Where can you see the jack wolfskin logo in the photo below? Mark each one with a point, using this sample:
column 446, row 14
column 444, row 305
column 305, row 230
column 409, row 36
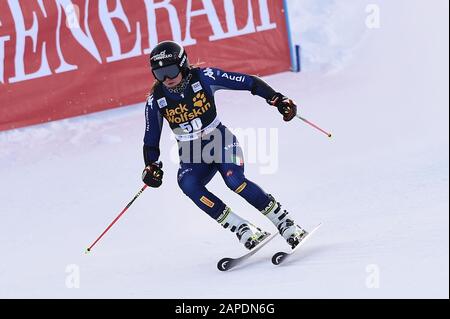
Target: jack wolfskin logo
column 199, row 100
column 182, row 113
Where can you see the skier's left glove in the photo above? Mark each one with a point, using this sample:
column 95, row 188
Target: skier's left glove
column 153, row 174
column 285, row 106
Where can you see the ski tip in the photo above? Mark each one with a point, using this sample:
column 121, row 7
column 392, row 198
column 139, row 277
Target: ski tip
column 278, row 258
column 224, row 264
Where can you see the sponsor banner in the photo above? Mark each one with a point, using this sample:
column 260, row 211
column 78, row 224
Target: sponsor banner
column 63, row 58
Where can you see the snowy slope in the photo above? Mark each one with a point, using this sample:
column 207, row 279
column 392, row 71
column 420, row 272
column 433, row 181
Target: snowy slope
column 380, row 186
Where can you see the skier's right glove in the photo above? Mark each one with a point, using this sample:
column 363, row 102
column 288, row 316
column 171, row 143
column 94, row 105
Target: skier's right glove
column 153, row 174
column 285, row 106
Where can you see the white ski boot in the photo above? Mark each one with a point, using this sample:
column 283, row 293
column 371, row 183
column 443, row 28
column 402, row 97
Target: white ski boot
column 292, row 233
column 248, row 235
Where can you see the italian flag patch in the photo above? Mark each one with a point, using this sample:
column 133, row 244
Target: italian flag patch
column 238, row 160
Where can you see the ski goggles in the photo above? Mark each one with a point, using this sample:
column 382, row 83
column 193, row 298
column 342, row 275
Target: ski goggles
column 170, row 71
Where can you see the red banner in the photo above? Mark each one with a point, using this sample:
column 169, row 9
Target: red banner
column 62, row 58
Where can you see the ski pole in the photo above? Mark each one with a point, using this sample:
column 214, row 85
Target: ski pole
column 274, row 103
column 117, row 218
column 314, row 125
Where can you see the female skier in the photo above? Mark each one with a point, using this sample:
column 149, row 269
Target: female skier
column 184, row 96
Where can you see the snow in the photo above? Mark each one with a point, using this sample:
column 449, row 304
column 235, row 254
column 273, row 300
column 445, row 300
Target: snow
column 327, row 30
column 380, row 186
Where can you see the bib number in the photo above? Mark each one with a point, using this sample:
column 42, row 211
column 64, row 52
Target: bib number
column 194, row 125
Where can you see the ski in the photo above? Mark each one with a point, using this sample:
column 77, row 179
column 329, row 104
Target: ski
column 226, row 264
column 281, row 256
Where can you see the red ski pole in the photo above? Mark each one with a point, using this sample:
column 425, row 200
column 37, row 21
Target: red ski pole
column 314, row 125
column 117, row 218
column 274, row 103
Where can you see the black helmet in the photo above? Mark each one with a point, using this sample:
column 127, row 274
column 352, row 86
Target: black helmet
column 167, row 60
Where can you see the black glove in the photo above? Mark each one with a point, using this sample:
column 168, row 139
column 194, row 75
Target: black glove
column 153, row 174
column 285, row 106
